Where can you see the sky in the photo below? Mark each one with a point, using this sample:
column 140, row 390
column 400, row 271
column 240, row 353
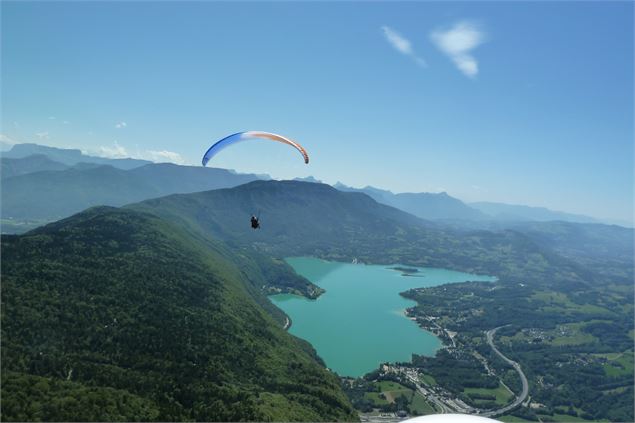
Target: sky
column 517, row 102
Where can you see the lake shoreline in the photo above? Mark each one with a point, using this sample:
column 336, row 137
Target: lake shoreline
column 362, row 320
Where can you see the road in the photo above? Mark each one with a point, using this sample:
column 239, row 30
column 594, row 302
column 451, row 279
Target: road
column 523, row 395
column 427, row 393
column 446, row 404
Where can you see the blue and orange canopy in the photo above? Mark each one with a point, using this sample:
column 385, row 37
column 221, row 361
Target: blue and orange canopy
column 241, row 136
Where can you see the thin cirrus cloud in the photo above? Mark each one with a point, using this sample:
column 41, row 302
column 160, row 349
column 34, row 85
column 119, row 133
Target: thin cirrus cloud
column 402, row 45
column 117, row 151
column 458, row 42
column 165, row 156
column 120, row 125
column 5, row 139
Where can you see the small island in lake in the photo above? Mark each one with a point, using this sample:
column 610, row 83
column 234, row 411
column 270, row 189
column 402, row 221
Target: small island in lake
column 407, row 271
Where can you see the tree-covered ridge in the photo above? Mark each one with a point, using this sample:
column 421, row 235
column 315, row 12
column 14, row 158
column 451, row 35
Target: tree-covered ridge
column 316, row 219
column 134, row 319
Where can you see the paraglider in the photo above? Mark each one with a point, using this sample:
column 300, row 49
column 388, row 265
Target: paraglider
column 241, row 136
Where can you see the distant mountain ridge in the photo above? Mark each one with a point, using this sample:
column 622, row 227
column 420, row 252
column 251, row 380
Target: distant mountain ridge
column 78, row 184
column 511, row 212
column 50, row 195
column 432, row 206
column 69, row 157
column 10, row 167
column 441, row 206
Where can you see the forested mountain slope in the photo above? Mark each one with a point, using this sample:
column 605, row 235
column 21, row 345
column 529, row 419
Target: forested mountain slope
column 117, row 315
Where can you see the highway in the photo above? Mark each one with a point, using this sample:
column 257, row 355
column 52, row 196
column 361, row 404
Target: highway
column 490, row 340
column 444, row 403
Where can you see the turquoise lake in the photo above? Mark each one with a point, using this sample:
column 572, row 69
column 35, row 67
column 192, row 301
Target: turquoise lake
column 359, row 322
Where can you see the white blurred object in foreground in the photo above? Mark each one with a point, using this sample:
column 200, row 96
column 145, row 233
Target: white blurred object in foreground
column 449, row 418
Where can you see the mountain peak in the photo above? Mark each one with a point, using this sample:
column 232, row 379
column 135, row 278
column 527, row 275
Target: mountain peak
column 308, row 179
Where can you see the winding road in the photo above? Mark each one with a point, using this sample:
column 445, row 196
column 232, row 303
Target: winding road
column 490, row 340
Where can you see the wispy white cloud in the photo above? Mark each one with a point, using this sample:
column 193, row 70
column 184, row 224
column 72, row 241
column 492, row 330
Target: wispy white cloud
column 5, row 139
column 458, row 42
column 120, row 125
column 397, row 41
column 52, row 118
column 115, row 151
column 7, row 143
column 65, row 122
column 165, row 156
column 402, row 44
column 42, row 135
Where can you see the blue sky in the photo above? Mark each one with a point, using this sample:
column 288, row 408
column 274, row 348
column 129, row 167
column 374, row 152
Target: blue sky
column 518, row 102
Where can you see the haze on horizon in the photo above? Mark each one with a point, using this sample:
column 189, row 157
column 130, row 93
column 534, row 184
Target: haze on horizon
column 521, row 103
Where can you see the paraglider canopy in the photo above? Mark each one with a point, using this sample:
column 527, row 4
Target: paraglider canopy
column 241, row 136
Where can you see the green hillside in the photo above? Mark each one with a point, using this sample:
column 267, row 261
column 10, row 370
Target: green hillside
column 316, row 219
column 117, row 315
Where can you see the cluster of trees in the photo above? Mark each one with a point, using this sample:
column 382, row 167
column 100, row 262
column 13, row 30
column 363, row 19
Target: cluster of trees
column 357, row 389
column 455, row 371
column 562, row 378
column 35, row 398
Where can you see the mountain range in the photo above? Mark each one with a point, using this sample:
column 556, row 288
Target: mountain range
column 69, row 157
column 55, row 194
column 509, row 212
column 29, row 164
column 441, row 206
column 157, row 310
column 41, row 183
column 425, row 205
